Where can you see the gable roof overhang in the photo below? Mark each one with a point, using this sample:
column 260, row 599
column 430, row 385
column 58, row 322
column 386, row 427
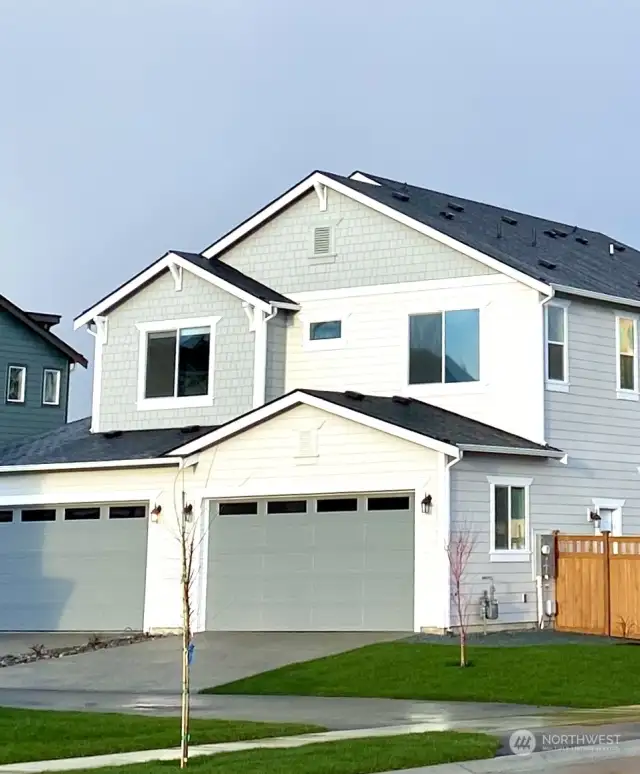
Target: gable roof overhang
column 172, row 261
column 335, row 403
column 44, row 333
column 317, row 178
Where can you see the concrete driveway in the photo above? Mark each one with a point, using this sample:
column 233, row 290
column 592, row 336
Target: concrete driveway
column 154, row 666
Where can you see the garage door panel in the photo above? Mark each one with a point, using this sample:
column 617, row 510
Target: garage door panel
column 349, row 570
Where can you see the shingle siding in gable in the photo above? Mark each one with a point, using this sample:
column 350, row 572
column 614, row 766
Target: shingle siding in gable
column 234, row 346
column 370, row 249
column 21, row 346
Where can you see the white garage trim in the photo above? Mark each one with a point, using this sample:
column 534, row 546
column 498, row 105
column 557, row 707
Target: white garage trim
column 50, row 466
column 74, row 498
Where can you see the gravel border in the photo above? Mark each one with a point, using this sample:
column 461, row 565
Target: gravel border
column 520, row 638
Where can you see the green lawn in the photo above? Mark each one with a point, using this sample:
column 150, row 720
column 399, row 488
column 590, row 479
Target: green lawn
column 32, row 735
column 551, row 675
column 357, row 756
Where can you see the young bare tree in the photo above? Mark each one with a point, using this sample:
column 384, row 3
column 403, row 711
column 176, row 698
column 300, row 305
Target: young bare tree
column 459, row 549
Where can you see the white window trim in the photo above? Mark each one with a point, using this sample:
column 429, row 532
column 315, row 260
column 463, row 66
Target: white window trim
column 616, row 507
column 622, row 394
column 509, row 554
column 23, row 385
column 58, row 375
column 194, row 401
column 445, row 387
column 329, row 314
column 557, row 385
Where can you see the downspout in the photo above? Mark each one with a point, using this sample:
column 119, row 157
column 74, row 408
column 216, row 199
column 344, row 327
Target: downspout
column 446, row 532
column 260, row 321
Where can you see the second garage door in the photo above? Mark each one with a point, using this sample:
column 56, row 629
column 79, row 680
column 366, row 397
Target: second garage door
column 312, row 564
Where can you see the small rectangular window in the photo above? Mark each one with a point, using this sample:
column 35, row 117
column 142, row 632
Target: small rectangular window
column 337, row 504
column 81, row 514
column 388, row 503
column 127, row 512
column 38, row 514
column 322, row 240
column 16, row 384
column 6, row 517
column 287, row 506
column 510, row 518
column 556, row 329
column 321, row 331
column 627, row 354
column 241, row 508
column 51, row 387
column 444, row 347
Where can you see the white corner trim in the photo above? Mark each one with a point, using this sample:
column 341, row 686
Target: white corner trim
column 164, row 263
column 296, row 398
column 317, row 177
column 52, row 466
column 73, row 497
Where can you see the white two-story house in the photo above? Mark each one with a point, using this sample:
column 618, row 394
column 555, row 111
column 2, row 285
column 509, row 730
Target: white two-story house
column 355, row 374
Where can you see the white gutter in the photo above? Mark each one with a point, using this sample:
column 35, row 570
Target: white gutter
column 154, row 462
column 596, row 296
column 551, row 453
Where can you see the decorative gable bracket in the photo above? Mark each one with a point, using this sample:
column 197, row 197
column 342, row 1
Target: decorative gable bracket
column 250, row 311
column 101, row 329
column 176, row 273
column 321, row 192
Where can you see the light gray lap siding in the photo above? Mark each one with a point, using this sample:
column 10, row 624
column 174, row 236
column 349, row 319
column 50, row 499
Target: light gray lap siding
column 234, row 352
column 276, row 355
column 370, row 249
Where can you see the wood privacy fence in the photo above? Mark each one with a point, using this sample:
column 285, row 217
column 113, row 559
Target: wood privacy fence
column 598, row 585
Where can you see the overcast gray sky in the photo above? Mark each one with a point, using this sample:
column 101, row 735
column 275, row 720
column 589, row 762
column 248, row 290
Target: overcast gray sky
column 130, row 127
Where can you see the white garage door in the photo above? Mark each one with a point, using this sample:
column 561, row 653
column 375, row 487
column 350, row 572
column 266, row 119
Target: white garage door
column 311, row 564
column 73, row 568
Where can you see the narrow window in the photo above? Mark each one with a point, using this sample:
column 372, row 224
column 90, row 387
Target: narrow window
column 178, row 363
column 241, row 508
column 6, row 517
column 322, row 240
column 444, row 347
column 626, row 338
column 81, row 514
column 320, row 331
column 556, row 343
column 127, row 512
column 388, row 503
column 510, row 518
column 16, row 383
column 51, row 387
column 337, row 504
column 287, row 506
column 38, row 514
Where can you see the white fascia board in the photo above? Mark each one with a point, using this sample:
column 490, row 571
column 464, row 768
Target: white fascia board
column 53, row 466
column 296, row 398
column 317, row 177
column 74, row 497
column 171, row 259
column 618, row 300
column 551, row 453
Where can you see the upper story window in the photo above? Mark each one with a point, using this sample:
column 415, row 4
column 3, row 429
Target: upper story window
column 627, row 357
column 51, row 387
column 444, row 347
column 556, row 343
column 509, row 528
column 16, row 384
column 176, row 363
column 322, row 331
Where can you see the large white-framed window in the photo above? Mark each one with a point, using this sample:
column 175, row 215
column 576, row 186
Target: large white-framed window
column 557, row 346
column 176, row 363
column 627, row 357
column 51, row 379
column 509, row 531
column 16, row 384
column 444, row 347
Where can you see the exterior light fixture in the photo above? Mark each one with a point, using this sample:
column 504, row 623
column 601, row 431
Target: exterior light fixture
column 427, row 502
column 155, row 514
column 188, row 512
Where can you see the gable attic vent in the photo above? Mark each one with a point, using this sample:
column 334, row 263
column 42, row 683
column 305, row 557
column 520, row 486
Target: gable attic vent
column 322, row 240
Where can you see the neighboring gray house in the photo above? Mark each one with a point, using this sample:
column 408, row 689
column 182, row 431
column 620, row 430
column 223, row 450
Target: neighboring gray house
column 339, row 386
column 34, row 368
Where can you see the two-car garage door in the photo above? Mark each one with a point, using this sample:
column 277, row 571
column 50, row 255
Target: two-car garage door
column 312, row 563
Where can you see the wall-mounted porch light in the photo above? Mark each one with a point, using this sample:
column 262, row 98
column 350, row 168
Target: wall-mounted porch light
column 427, row 502
column 155, row 514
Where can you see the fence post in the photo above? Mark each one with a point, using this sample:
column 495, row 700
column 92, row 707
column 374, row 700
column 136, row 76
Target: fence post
column 607, row 584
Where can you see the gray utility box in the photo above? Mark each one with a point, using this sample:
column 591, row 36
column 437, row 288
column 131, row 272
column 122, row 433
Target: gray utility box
column 546, row 559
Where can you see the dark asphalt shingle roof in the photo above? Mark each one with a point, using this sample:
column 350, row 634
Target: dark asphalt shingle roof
column 481, row 226
column 74, row 442
column 428, row 420
column 241, row 281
